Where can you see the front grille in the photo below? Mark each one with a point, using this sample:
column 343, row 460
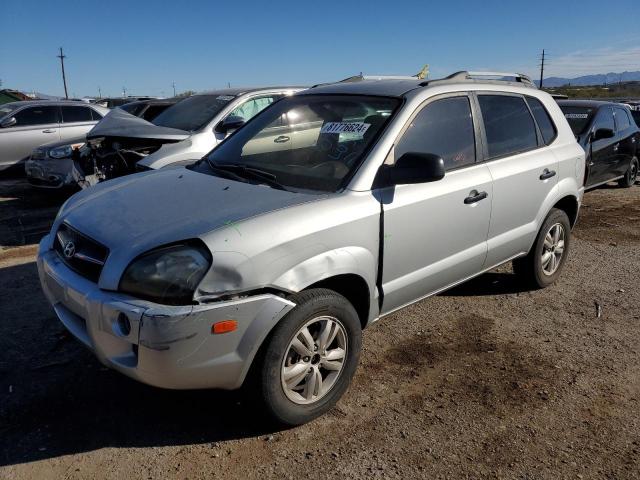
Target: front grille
column 80, row 253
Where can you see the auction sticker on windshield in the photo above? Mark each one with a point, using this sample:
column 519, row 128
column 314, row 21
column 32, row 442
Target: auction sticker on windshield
column 345, row 127
column 576, row 115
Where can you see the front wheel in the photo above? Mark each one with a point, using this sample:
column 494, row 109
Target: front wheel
column 310, row 357
column 631, row 176
column 542, row 266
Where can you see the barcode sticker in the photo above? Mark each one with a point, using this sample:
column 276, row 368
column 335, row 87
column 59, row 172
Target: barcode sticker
column 345, row 127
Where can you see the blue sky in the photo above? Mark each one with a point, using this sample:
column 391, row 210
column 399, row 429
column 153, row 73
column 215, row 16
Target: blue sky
column 145, row 46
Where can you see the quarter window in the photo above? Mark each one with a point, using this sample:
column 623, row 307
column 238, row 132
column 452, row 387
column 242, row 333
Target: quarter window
column 545, row 124
column 76, row 114
column 444, row 128
column 508, row 125
column 37, row 116
column 622, row 119
column 95, row 115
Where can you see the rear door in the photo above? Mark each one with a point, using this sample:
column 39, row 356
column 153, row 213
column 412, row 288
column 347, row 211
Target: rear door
column 34, row 126
column 523, row 168
column 604, row 161
column 76, row 121
column 435, row 233
column 626, row 133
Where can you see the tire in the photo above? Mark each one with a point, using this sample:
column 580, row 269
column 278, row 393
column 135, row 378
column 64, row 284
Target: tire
column 303, row 398
column 531, row 269
column 631, row 176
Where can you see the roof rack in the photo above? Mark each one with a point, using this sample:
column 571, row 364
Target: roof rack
column 361, row 77
column 465, row 76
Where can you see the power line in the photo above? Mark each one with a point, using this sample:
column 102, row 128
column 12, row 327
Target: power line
column 64, row 78
column 541, row 69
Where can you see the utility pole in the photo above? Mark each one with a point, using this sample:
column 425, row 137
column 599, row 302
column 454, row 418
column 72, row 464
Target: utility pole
column 124, row 92
column 541, row 69
column 64, row 78
column 99, row 92
column 174, row 88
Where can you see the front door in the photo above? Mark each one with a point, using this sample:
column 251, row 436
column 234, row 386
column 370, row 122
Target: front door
column 435, row 234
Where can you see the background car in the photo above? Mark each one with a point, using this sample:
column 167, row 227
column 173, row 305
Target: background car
column 118, row 101
column 149, row 109
column 184, row 132
column 29, row 124
column 610, row 137
column 57, row 165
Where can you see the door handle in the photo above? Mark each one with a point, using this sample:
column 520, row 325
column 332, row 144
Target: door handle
column 281, row 139
column 48, row 130
column 546, row 174
column 475, row 196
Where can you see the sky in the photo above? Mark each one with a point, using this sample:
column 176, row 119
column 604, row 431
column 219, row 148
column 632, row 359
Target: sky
column 147, row 46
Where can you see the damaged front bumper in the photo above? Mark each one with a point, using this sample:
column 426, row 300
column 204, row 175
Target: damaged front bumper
column 52, row 173
column 164, row 346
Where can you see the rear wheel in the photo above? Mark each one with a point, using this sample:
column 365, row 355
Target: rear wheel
column 310, row 357
column 542, row 266
column 632, row 174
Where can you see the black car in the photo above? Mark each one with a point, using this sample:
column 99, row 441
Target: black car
column 149, row 109
column 609, row 135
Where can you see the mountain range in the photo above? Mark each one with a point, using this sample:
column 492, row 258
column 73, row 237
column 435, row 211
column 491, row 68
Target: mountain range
column 598, row 79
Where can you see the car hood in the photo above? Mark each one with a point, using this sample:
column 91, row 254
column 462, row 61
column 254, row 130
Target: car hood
column 118, row 123
column 133, row 214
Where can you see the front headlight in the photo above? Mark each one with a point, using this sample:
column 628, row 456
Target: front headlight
column 61, row 152
column 168, row 275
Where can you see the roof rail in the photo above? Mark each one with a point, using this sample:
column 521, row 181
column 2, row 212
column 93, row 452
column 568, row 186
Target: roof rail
column 475, row 76
column 360, row 77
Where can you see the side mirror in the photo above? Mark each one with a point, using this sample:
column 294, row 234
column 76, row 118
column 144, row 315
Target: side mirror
column 8, row 122
column 414, row 168
column 602, row 133
column 229, row 124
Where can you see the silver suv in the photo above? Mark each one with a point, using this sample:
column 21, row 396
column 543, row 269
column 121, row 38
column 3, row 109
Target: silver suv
column 29, row 124
column 264, row 261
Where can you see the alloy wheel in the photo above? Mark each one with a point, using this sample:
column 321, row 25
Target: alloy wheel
column 553, row 249
column 314, row 360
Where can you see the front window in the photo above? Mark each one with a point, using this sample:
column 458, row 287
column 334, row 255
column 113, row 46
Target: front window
column 6, row 109
column 578, row 117
column 308, row 142
column 192, row 113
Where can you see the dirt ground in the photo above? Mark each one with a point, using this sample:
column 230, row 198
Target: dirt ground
column 486, row 380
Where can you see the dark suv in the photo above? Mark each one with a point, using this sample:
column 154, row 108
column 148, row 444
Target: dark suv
column 610, row 137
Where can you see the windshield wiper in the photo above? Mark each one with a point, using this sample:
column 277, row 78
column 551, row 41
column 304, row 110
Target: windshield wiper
column 244, row 172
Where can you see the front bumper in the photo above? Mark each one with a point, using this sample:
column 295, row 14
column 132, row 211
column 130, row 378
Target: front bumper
column 166, row 346
column 51, row 173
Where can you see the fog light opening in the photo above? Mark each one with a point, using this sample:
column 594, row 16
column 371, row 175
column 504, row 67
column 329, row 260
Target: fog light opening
column 124, row 325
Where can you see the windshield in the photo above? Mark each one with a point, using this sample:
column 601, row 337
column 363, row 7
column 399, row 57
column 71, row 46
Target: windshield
column 192, row 113
column 6, row 109
column 308, row 142
column 578, row 117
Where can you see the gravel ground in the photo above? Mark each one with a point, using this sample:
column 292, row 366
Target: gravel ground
column 486, row 380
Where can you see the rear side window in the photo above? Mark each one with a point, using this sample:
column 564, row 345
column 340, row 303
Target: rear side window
column 445, row 128
column 153, row 111
column 508, row 125
column 622, row 119
column 545, row 124
column 95, row 115
column 37, row 116
column 76, row 114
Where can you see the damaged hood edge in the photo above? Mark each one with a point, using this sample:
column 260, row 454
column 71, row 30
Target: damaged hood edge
column 118, row 123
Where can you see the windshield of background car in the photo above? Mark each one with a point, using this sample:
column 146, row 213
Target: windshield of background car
column 308, row 142
column 6, row 109
column 192, row 113
column 578, row 117
column 636, row 116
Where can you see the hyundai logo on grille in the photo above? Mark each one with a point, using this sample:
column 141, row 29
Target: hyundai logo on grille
column 69, row 249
